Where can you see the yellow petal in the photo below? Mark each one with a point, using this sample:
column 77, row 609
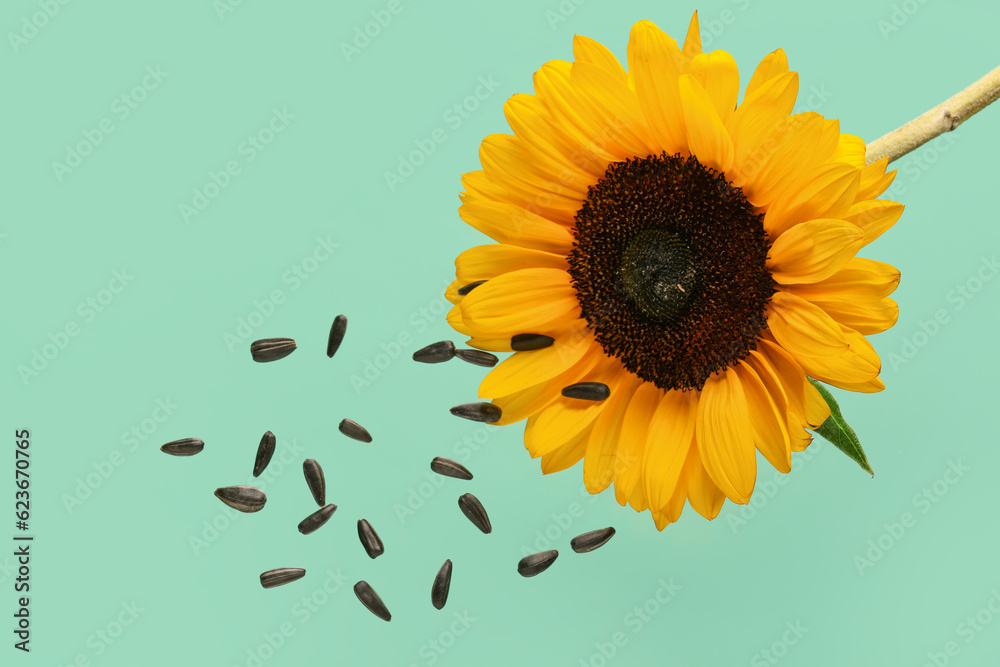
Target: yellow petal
column 817, row 409
column 814, row 250
column 489, row 261
column 829, row 193
column 652, row 57
column 599, row 461
column 705, row 497
column 530, row 177
column 725, row 437
column 523, row 404
column 850, row 150
column 692, row 42
column 567, row 455
column 719, row 76
column 524, row 369
column 614, row 111
column 874, row 217
column 859, row 366
column 671, row 431
column 632, row 441
column 874, row 179
column 564, row 103
column 866, row 317
column 790, row 154
column 804, row 329
column 708, row 138
column 859, row 279
column 509, row 223
column 770, row 426
column 771, row 67
column 754, row 123
column 534, row 124
column 520, row 301
column 588, row 50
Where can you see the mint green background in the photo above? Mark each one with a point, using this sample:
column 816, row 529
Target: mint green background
column 742, row 578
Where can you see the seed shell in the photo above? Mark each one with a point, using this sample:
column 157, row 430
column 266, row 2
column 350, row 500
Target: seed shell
column 442, row 584
column 581, row 544
column 185, row 447
column 478, row 412
column 370, row 539
column 435, row 353
column 242, row 498
column 271, row 349
column 281, row 576
column 337, row 332
column 353, row 429
column 316, row 519
column 475, row 512
column 264, row 452
column 371, row 600
column 478, row 358
column 314, row 478
column 530, row 341
column 537, row 563
column 465, row 289
column 449, row 468
column 587, row 391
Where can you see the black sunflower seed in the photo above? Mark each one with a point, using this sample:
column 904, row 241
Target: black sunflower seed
column 242, row 498
column 370, row 539
column 435, row 353
column 587, row 391
column 581, row 544
column 529, row 341
column 478, row 412
column 264, row 452
column 442, row 583
column 370, row 599
column 449, row 468
column 353, row 429
column 316, row 519
column 475, row 512
column 477, row 357
column 314, row 478
column 337, row 332
column 271, row 349
column 185, row 447
column 281, row 576
column 465, row 289
column 537, row 563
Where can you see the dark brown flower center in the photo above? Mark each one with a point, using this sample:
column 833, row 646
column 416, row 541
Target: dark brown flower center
column 668, row 263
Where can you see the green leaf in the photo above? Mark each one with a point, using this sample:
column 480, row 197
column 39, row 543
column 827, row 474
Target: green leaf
column 836, row 430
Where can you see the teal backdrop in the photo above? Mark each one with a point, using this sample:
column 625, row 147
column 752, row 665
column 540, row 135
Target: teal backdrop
column 183, row 178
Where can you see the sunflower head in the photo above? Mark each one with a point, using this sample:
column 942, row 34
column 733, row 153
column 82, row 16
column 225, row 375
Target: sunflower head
column 692, row 253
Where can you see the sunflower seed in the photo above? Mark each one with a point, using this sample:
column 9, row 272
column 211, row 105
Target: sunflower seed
column 353, row 429
column 185, row 447
column 474, row 511
column 530, row 341
column 271, row 349
column 370, row 599
column 587, row 391
column 242, row 498
column 592, row 540
column 316, row 519
column 449, row 468
column 281, row 576
column 314, row 478
column 264, row 451
column 534, row 564
column 337, row 332
column 462, row 291
column 435, row 353
column 442, row 583
column 478, row 412
column 477, row 357
column 370, row 539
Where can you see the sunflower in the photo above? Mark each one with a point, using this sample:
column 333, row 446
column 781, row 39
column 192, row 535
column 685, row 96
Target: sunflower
column 670, row 269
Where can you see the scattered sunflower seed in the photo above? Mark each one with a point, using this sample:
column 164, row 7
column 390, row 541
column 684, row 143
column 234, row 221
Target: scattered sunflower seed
column 353, row 429
column 478, row 357
column 449, row 468
column 435, row 353
column 314, row 478
column 370, row 539
column 370, row 599
column 185, row 447
column 587, row 391
column 271, row 349
column 264, row 452
column 316, row 519
column 281, row 576
column 529, row 341
column 337, row 332
column 581, row 544
column 242, row 498
column 442, row 583
column 478, row 412
column 537, row 563
column 465, row 289
column 475, row 512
